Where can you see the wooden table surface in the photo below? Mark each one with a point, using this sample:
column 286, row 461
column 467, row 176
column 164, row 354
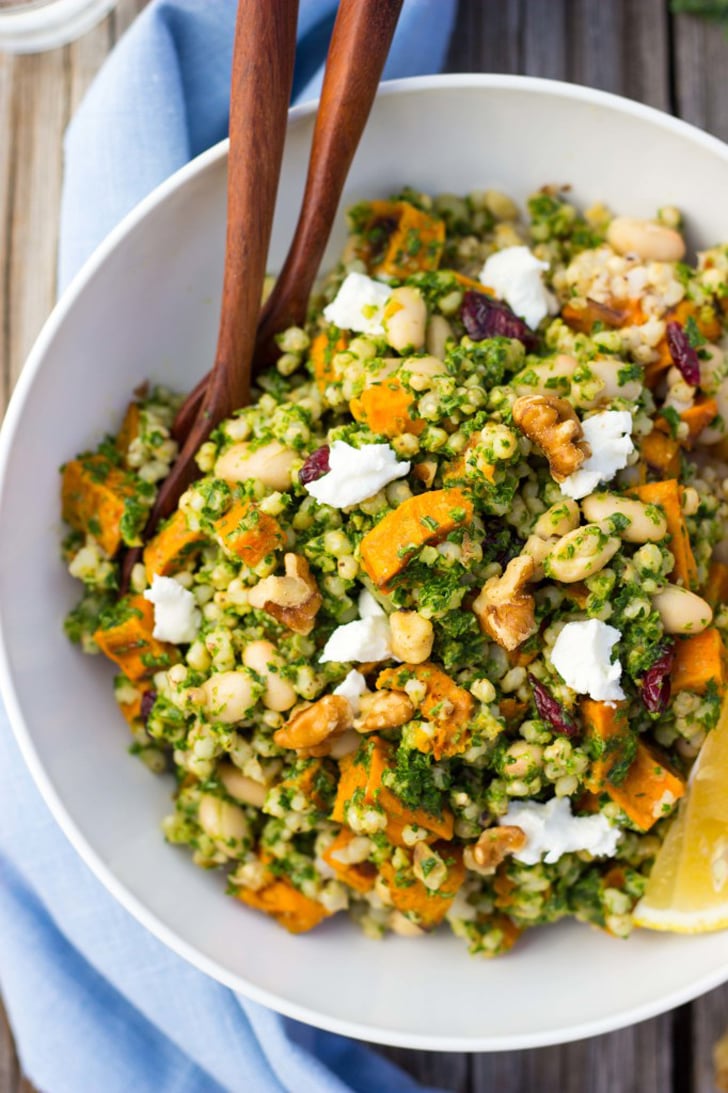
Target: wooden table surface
column 678, row 63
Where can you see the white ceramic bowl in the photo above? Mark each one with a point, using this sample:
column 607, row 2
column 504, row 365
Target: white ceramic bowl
column 146, row 305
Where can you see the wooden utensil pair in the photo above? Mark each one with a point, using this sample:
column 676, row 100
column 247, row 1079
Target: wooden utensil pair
column 262, row 76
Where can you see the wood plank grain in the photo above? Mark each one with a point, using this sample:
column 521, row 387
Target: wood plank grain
column 633, row 1060
column 444, row 1070
column 40, row 111
column 701, row 63
column 710, row 1022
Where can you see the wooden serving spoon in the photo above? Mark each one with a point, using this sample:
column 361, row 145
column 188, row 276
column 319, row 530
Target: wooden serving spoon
column 262, row 76
column 360, row 42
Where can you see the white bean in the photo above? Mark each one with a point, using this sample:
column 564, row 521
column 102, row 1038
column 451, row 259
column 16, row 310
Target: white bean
column 243, row 789
column 581, row 554
column 424, row 366
column 222, row 820
column 405, row 319
column 646, row 523
column 650, row 241
column 271, row 464
column 558, row 520
column 681, row 611
column 229, row 696
column 439, row 332
column 262, row 657
column 607, row 373
column 547, row 377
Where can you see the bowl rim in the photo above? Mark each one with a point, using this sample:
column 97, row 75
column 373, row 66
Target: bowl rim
column 13, row 416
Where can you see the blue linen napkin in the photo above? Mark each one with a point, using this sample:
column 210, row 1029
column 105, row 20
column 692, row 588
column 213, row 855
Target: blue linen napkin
column 95, row 1001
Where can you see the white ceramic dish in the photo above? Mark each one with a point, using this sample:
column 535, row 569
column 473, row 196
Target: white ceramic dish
column 146, row 306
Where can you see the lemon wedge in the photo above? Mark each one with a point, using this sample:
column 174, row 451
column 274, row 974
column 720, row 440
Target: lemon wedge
column 687, row 891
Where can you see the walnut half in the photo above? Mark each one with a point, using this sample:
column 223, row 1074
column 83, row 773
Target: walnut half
column 505, row 611
column 552, row 423
column 293, row 600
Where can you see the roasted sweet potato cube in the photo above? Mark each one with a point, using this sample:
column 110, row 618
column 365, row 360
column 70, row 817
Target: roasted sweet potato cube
column 361, row 780
column 314, row 780
column 94, row 495
column 660, row 453
column 129, row 641
column 399, row 239
column 716, row 587
column 170, row 548
column 323, row 350
column 446, row 708
column 700, row 660
column 289, row 907
column 385, row 407
column 130, row 428
column 425, row 518
column 412, row 898
column 648, row 789
column 249, row 533
column 358, row 875
column 668, row 495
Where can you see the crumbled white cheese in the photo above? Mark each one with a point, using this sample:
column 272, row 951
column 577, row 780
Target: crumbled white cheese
column 356, row 474
column 367, row 638
column 582, row 655
column 516, row 276
column 609, row 436
column 352, row 688
column 359, row 304
column 552, row 830
column 176, row 614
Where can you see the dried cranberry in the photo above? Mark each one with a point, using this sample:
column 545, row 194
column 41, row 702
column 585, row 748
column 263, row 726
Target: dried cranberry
column 485, row 317
column 550, row 710
column 684, row 355
column 148, row 700
column 316, row 466
column 656, row 683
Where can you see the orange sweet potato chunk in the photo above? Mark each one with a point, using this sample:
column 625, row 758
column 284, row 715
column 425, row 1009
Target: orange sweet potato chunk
column 412, row 239
column 358, row 875
column 130, row 643
column 248, row 533
column 385, row 407
column 446, row 708
column 426, row 518
column 129, row 430
column 361, row 776
column 606, row 725
column 323, row 350
column 93, row 497
column 716, row 588
column 660, row 453
column 699, row 661
column 649, row 789
column 289, row 907
column 169, row 549
column 413, row 899
column 668, row 495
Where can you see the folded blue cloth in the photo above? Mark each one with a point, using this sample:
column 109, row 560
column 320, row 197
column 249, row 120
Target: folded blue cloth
column 96, row 1002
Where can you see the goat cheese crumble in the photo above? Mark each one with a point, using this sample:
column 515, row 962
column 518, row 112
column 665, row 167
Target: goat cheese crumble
column 552, row 830
column 176, row 614
column 367, row 638
column 356, row 474
column 609, row 436
column 352, row 688
column 582, row 655
column 359, row 304
column 516, row 276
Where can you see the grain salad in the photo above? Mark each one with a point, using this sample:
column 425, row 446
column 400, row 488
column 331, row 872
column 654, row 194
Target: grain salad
column 438, row 633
